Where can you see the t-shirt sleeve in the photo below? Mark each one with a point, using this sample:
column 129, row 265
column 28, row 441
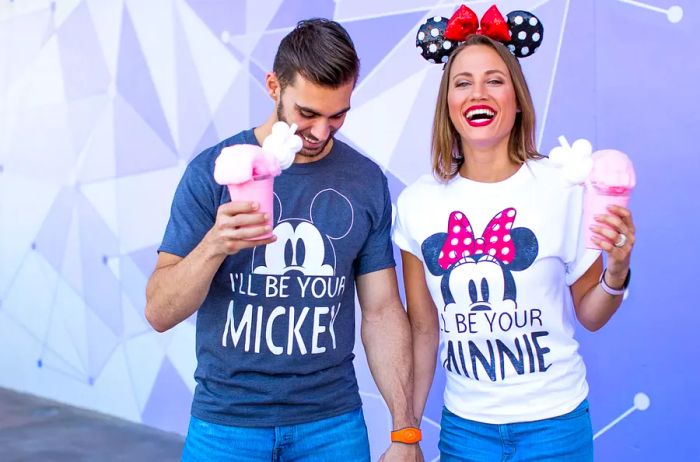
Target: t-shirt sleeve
column 400, row 233
column 377, row 253
column 580, row 257
column 193, row 211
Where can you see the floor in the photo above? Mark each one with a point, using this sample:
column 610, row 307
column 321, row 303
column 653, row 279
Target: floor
column 37, row 429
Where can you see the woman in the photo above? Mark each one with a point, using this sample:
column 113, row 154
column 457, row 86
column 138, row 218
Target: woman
column 496, row 269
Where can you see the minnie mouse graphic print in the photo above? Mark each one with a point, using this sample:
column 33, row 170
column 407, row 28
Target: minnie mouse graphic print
column 461, row 242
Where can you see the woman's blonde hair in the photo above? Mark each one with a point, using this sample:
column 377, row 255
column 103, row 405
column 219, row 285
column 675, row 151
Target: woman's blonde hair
column 447, row 155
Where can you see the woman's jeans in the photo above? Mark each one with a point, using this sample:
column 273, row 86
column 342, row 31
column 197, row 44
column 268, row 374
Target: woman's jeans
column 336, row 439
column 567, row 438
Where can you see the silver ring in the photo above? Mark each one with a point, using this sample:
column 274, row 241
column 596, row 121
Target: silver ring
column 621, row 240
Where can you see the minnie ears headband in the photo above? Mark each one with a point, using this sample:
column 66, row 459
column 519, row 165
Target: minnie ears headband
column 520, row 31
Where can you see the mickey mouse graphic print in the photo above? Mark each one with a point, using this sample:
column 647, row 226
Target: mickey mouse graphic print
column 275, row 334
column 499, row 259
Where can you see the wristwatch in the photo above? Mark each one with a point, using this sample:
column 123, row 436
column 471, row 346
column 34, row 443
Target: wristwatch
column 408, row 435
column 604, row 285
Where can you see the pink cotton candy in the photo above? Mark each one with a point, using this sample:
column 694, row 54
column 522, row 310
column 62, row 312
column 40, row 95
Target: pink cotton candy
column 266, row 164
column 235, row 164
column 612, row 172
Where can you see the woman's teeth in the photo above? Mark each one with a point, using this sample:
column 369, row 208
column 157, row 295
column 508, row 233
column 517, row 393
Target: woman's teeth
column 480, row 114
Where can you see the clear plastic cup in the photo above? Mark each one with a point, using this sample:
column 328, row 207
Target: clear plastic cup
column 259, row 189
column 595, row 202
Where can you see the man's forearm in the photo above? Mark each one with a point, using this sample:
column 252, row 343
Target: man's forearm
column 387, row 340
column 176, row 291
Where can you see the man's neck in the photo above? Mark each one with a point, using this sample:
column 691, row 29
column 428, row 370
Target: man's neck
column 265, row 129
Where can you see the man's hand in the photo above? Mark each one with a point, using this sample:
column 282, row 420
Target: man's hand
column 236, row 223
column 400, row 452
column 178, row 286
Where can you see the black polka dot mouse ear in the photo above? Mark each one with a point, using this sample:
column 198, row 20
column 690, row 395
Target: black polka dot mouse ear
column 525, row 33
column 431, row 41
column 521, row 31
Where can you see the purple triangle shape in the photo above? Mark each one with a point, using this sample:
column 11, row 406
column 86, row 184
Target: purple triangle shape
column 395, row 185
column 220, row 16
column 137, row 148
column 50, row 241
column 34, row 29
column 374, row 38
column 258, row 112
column 168, row 406
column 145, row 259
column 208, row 139
column 101, row 344
column 232, row 115
column 135, row 84
column 415, row 133
column 194, row 117
column 83, row 115
column 85, row 72
column 257, row 72
column 293, row 11
column 134, row 269
column 238, row 54
column 266, row 48
column 101, row 289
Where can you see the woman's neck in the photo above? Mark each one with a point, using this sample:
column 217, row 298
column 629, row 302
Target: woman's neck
column 488, row 164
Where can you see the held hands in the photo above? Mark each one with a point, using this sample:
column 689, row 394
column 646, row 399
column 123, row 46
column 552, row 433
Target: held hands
column 617, row 240
column 236, row 222
column 400, row 452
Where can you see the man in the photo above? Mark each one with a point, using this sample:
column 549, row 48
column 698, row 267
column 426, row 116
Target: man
column 275, row 316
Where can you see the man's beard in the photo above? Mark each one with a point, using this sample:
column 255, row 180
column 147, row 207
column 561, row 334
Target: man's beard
column 303, row 152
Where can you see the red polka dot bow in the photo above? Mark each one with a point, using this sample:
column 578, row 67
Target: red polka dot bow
column 496, row 240
column 465, row 22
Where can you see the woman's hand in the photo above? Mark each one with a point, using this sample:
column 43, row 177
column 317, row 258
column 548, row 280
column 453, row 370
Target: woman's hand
column 617, row 240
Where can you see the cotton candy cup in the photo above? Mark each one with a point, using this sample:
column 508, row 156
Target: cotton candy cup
column 248, row 171
column 610, row 182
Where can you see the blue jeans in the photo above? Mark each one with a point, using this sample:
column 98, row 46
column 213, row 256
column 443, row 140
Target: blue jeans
column 341, row 438
column 567, row 438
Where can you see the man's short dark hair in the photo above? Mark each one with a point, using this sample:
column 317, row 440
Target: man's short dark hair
column 321, row 51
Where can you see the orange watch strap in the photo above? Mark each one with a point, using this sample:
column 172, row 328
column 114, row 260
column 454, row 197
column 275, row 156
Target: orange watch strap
column 408, row 435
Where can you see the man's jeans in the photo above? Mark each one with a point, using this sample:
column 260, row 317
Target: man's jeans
column 337, row 439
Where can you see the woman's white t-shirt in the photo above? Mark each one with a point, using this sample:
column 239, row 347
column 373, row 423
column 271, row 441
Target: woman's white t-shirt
column 499, row 259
